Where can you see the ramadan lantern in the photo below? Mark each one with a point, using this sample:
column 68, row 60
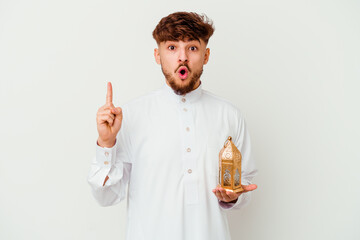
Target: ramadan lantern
column 230, row 167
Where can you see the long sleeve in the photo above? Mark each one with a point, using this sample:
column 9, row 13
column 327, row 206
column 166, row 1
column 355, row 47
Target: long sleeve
column 248, row 168
column 115, row 163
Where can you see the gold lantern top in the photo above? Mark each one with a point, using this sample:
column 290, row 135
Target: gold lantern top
column 230, row 167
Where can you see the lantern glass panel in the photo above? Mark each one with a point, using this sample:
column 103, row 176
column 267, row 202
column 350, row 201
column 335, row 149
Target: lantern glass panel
column 227, row 178
column 237, row 178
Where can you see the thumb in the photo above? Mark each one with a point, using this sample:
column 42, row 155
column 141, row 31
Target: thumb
column 118, row 112
column 118, row 117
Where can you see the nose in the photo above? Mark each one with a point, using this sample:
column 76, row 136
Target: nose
column 183, row 56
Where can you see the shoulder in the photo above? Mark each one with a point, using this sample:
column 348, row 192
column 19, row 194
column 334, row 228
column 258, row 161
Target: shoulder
column 221, row 103
column 143, row 100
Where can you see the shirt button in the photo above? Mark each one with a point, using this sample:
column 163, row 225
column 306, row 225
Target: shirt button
column 188, row 129
column 185, row 109
column 106, row 162
column 189, row 171
column 183, row 99
column 106, row 154
column 188, row 149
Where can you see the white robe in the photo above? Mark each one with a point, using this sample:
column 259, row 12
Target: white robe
column 167, row 153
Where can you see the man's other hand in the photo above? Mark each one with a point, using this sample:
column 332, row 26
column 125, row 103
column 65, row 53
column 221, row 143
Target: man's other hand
column 228, row 196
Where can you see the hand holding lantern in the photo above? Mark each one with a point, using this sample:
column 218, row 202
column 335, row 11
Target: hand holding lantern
column 230, row 188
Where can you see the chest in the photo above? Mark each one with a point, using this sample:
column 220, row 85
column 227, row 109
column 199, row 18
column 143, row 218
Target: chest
column 166, row 136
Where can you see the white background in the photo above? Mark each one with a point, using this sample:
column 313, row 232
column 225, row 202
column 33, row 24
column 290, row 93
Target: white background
column 292, row 67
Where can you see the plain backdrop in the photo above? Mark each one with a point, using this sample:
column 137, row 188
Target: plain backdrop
column 292, row 67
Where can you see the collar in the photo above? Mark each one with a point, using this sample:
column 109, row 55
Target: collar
column 190, row 97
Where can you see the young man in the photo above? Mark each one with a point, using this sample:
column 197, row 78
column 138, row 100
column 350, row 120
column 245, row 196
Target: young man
column 164, row 146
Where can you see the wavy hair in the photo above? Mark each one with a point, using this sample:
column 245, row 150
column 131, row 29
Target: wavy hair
column 184, row 26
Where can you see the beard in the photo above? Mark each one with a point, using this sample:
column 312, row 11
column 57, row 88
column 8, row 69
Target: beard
column 182, row 89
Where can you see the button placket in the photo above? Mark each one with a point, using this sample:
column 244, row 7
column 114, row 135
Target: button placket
column 187, row 132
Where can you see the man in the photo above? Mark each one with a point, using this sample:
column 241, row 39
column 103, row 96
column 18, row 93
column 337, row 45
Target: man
column 164, row 146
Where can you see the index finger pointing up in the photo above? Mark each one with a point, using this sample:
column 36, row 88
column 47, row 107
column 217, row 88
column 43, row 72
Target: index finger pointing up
column 109, row 93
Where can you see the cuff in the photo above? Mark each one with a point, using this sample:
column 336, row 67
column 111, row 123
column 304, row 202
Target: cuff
column 105, row 157
column 230, row 205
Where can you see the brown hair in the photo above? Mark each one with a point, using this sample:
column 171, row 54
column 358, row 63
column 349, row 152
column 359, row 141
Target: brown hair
column 183, row 26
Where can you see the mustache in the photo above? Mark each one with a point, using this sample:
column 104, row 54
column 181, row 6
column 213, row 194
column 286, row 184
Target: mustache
column 182, row 65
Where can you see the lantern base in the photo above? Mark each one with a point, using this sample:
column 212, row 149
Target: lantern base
column 238, row 190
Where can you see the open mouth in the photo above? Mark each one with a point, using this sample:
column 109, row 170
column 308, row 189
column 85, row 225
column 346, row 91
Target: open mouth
column 183, row 73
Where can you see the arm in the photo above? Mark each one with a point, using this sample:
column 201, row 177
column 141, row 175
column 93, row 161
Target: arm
column 111, row 167
column 229, row 200
column 112, row 164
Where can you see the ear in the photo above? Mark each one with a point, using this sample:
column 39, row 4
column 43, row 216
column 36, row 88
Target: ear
column 207, row 55
column 157, row 56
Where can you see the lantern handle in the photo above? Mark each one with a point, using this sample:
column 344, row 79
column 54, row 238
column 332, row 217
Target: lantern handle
column 227, row 140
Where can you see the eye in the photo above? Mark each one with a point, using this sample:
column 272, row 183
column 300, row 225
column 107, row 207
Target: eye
column 193, row 48
column 171, row 47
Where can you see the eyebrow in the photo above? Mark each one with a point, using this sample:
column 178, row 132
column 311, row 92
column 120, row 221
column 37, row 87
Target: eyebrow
column 172, row 42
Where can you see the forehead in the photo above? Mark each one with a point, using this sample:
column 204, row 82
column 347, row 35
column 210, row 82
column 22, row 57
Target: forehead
column 181, row 42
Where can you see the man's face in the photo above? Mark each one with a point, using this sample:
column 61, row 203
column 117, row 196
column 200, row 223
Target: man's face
column 182, row 63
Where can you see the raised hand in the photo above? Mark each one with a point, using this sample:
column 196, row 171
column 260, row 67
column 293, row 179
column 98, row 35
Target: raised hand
column 228, row 196
column 108, row 120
